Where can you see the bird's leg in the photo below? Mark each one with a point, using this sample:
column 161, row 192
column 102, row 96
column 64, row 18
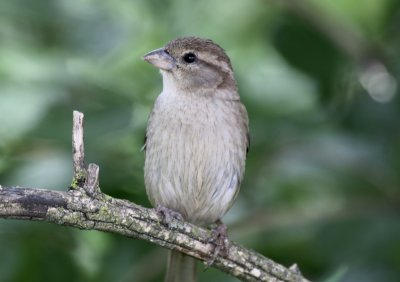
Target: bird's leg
column 168, row 215
column 219, row 239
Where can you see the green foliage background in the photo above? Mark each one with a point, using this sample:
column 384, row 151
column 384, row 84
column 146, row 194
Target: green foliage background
column 320, row 82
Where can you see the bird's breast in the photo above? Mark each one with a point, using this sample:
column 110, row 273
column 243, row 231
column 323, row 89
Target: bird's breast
column 194, row 156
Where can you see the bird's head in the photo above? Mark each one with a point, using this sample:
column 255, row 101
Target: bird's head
column 193, row 64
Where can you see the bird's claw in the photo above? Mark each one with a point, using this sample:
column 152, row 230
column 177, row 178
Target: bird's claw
column 220, row 241
column 168, row 215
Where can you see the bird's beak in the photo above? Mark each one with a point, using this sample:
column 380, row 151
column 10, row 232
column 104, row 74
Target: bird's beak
column 160, row 59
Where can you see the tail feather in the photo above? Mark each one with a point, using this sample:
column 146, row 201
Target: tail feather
column 180, row 268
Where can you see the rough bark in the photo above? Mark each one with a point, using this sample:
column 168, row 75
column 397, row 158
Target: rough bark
column 84, row 206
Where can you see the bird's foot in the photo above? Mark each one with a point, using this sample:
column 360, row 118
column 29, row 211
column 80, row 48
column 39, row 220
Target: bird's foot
column 220, row 241
column 168, row 215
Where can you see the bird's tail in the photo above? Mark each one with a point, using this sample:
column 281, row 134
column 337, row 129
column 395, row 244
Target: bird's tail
column 180, row 268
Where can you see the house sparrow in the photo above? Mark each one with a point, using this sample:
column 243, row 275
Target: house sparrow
column 196, row 139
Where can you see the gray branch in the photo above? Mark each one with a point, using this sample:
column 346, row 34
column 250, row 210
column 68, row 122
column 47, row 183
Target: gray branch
column 84, row 206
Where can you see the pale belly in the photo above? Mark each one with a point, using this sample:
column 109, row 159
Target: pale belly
column 194, row 168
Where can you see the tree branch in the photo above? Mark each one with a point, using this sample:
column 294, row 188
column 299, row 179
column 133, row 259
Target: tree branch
column 84, row 206
column 78, row 150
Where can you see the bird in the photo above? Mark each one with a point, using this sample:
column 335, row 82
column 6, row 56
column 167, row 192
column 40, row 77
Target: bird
column 197, row 138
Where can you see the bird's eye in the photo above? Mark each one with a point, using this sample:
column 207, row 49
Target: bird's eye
column 189, row 58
